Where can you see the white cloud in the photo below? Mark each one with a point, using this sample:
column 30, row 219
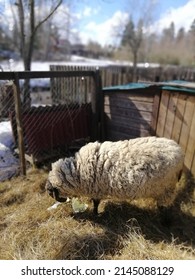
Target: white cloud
column 182, row 17
column 88, row 12
column 104, row 32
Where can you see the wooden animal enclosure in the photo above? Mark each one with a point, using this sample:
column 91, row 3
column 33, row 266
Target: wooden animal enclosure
column 165, row 110
column 176, row 120
column 130, row 111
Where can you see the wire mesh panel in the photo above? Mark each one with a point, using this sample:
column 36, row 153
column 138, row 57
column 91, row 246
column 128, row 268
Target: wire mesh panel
column 49, row 128
column 6, row 99
column 52, row 127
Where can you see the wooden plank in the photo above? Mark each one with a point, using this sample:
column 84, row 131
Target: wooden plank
column 128, row 123
column 181, row 102
column 170, row 115
column 115, row 136
column 131, row 96
column 121, row 112
column 126, row 103
column 187, row 121
column 162, row 113
column 190, row 150
column 125, row 119
column 129, row 131
column 112, row 135
column 95, row 101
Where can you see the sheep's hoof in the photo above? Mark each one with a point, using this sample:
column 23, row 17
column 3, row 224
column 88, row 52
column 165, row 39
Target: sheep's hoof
column 96, row 203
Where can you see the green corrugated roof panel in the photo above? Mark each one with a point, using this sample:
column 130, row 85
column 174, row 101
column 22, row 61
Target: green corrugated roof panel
column 169, row 85
column 179, row 86
column 128, row 86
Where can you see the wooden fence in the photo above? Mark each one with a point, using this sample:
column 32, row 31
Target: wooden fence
column 165, row 111
column 112, row 75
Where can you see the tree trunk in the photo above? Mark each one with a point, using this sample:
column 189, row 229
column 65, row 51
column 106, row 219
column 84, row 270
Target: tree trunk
column 135, row 66
column 27, row 40
column 29, row 52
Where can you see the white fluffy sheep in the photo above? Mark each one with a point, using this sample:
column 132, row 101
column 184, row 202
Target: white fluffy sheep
column 124, row 170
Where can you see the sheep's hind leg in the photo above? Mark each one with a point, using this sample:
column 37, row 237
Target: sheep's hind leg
column 96, row 203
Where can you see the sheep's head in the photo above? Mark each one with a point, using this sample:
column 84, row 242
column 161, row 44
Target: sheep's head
column 62, row 180
column 54, row 192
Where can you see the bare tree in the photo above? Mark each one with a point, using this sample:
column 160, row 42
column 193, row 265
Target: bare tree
column 192, row 37
column 28, row 27
column 139, row 21
column 133, row 37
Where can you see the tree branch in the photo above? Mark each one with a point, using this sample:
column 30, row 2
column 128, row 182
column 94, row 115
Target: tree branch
column 48, row 16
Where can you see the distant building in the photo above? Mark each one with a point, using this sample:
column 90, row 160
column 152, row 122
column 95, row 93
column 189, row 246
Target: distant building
column 78, row 49
column 83, row 50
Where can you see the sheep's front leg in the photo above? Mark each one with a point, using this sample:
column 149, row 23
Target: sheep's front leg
column 96, row 203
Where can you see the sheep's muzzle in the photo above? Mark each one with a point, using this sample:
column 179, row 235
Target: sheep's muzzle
column 54, row 192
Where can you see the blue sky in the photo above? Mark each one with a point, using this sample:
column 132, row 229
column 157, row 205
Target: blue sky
column 97, row 19
column 101, row 20
column 106, row 8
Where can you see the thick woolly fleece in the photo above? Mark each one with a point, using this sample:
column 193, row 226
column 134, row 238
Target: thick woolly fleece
column 124, row 170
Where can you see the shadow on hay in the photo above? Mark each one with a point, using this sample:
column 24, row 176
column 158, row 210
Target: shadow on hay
column 118, row 220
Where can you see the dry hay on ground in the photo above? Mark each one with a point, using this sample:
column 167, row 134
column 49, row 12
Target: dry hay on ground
column 121, row 231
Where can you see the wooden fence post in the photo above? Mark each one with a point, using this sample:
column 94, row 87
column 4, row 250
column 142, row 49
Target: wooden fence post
column 96, row 107
column 101, row 110
column 18, row 114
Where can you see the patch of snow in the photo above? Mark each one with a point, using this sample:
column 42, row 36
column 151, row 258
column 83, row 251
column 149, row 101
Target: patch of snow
column 6, row 157
column 9, row 164
column 44, row 84
column 6, row 137
column 75, row 60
